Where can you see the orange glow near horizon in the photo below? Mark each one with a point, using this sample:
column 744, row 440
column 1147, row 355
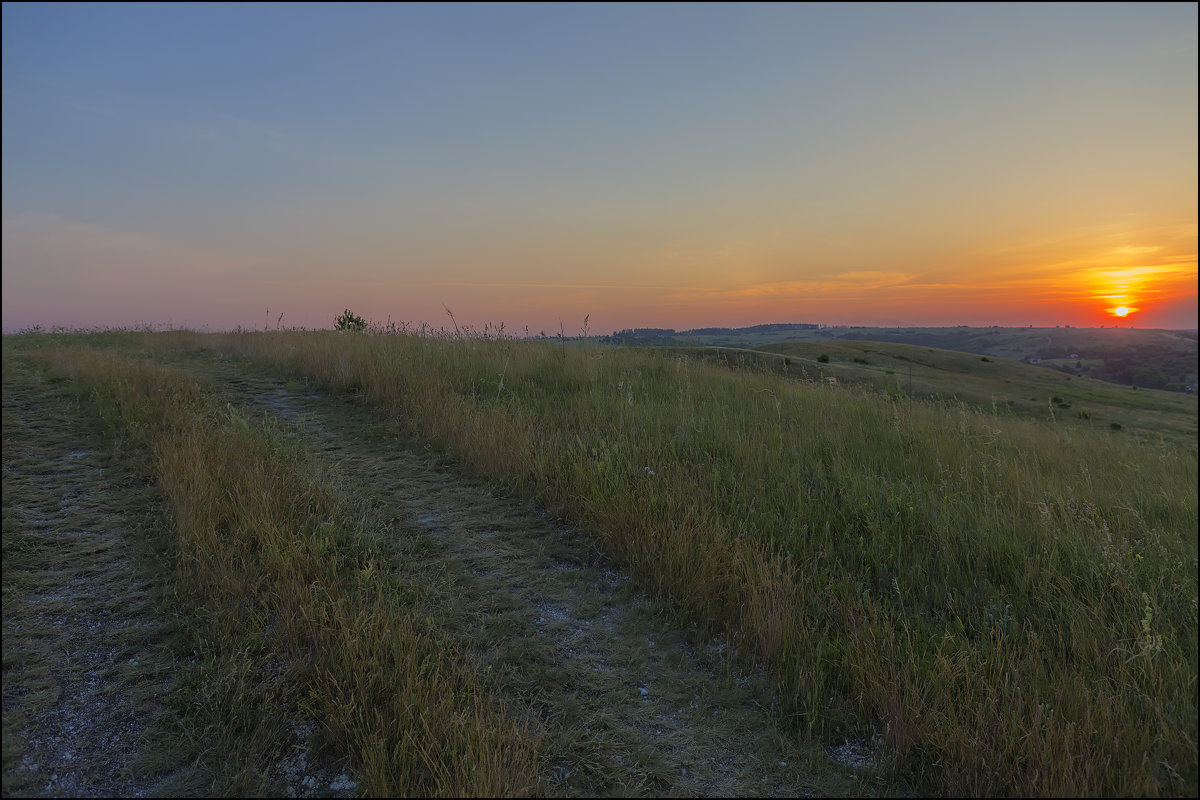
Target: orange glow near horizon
column 1125, row 289
column 1080, row 278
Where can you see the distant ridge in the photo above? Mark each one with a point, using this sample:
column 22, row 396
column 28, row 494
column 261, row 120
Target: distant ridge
column 640, row 334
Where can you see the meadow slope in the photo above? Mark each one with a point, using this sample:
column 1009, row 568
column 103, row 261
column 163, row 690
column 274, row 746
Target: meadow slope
column 1006, row 602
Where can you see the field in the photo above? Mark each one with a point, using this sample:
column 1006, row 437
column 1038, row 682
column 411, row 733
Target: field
column 469, row 565
column 999, row 386
column 1147, row 358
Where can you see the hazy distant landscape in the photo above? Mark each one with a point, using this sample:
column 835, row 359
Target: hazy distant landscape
column 1154, row 359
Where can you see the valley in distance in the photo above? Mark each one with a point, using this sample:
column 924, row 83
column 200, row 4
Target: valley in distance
column 1146, row 358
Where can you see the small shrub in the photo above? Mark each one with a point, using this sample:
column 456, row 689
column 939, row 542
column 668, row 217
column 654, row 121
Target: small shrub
column 858, row 360
column 1116, row 426
column 985, row 358
column 824, row 359
column 349, row 321
column 1085, row 415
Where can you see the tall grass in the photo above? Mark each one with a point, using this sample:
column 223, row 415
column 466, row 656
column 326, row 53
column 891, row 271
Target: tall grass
column 296, row 613
column 1010, row 604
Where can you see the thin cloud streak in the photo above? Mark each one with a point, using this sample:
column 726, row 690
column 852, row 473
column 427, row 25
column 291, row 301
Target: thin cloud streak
column 848, row 283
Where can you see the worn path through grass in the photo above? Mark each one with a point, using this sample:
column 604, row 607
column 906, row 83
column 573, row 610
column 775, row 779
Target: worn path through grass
column 89, row 655
column 630, row 703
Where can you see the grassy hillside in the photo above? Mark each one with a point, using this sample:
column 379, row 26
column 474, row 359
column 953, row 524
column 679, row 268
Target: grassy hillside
column 1150, row 358
column 1005, row 600
column 1001, row 386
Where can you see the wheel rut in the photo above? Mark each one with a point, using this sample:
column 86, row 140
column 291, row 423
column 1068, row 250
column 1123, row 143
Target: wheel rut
column 88, row 657
column 631, row 704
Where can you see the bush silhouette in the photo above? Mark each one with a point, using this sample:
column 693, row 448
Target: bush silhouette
column 349, row 321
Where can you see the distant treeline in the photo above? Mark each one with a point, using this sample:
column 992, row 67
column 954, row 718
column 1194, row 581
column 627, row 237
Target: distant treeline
column 671, row 336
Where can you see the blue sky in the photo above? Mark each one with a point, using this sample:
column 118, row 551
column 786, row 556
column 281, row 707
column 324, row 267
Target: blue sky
column 676, row 165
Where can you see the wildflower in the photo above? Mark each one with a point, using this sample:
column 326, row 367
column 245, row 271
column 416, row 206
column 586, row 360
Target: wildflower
column 648, row 470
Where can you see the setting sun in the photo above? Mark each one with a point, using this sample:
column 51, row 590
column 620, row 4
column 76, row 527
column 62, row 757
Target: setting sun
column 1123, row 311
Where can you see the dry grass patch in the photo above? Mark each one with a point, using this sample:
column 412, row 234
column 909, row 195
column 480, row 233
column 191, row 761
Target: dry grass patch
column 293, row 611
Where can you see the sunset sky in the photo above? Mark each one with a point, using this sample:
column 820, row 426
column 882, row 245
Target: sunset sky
column 210, row 166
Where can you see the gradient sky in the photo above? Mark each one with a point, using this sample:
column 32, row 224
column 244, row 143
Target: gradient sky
column 671, row 165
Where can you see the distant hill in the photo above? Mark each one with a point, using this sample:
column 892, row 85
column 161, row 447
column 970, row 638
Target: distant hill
column 999, row 386
column 1149, row 358
column 709, row 336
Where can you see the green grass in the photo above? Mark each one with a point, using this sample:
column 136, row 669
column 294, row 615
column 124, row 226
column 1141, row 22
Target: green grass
column 999, row 386
column 1008, row 599
column 973, row 586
